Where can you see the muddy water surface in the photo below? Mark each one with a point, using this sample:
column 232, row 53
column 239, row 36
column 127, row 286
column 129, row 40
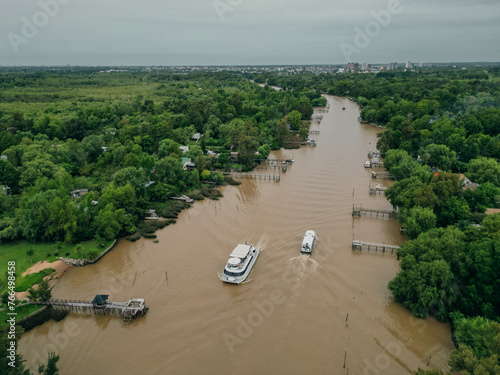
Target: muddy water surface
column 289, row 317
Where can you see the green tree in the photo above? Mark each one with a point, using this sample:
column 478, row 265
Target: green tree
column 110, row 222
column 484, row 170
column 264, row 151
column 417, row 220
column 463, row 361
column 439, row 156
column 33, row 295
column 294, row 119
column 425, row 288
column 44, row 291
column 51, row 367
column 400, row 164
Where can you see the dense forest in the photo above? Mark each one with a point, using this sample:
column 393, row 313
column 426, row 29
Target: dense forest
column 117, row 135
column 442, row 146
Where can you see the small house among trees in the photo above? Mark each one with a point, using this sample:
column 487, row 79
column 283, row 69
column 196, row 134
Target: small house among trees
column 78, row 193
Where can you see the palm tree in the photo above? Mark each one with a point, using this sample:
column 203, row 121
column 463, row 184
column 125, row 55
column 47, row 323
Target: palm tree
column 33, row 295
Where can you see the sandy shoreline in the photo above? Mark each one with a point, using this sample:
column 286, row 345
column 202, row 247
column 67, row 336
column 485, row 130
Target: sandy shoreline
column 60, row 270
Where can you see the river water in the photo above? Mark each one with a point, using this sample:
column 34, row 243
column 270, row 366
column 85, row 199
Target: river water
column 289, row 317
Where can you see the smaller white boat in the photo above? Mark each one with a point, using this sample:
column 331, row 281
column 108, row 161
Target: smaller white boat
column 368, row 164
column 240, row 263
column 308, row 242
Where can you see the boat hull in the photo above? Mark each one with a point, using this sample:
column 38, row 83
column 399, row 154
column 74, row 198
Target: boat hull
column 309, row 241
column 244, row 276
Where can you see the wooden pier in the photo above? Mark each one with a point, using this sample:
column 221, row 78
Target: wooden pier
column 253, row 176
column 281, row 161
column 382, row 175
column 376, row 163
column 377, row 189
column 359, row 210
column 317, row 119
column 358, row 245
column 374, row 154
column 128, row 310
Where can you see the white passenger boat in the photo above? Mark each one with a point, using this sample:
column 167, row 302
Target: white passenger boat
column 368, row 164
column 240, row 263
column 308, row 242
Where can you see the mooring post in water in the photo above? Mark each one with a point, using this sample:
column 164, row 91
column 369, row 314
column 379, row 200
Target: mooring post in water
column 346, row 318
column 345, row 357
column 429, row 361
column 166, row 276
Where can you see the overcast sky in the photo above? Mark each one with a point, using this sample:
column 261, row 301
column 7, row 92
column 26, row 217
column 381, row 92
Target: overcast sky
column 241, row 32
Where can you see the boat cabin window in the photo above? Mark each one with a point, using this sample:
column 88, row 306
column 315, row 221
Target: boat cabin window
column 236, row 274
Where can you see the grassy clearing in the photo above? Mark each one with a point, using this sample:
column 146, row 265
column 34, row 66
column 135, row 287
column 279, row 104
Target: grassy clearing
column 26, row 282
column 16, row 251
column 21, row 310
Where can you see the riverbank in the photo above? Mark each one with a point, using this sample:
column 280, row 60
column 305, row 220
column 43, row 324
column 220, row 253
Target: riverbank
column 31, row 259
column 192, row 313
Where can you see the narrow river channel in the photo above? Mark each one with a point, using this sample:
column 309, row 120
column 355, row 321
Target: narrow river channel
column 289, row 317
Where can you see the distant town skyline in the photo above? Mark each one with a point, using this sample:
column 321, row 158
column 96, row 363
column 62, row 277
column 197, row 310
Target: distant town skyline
column 240, row 32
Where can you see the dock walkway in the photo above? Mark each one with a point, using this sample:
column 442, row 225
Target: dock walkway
column 128, row 310
column 358, row 245
column 359, row 210
column 264, row 177
column 382, row 175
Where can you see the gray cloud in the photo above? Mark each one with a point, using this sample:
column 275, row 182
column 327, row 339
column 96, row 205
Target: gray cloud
column 131, row 32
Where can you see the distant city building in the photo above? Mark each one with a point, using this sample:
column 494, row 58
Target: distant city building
column 352, row 67
column 409, row 65
column 391, row 66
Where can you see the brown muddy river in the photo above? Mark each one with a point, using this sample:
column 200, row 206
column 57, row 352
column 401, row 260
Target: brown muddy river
column 289, row 317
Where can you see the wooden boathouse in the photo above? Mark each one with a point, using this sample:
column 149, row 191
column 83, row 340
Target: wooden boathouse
column 130, row 310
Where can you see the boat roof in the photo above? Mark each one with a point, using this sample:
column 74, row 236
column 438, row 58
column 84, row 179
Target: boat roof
column 241, row 251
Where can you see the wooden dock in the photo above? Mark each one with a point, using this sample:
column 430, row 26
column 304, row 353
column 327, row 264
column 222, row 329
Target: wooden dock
column 358, row 245
column 277, row 161
column 128, row 310
column 375, row 163
column 374, row 154
column 377, row 189
column 254, row 176
column 359, row 210
column 382, row 175
column 317, row 119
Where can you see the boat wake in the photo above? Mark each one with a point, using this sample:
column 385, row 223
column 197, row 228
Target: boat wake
column 302, row 267
column 261, row 244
